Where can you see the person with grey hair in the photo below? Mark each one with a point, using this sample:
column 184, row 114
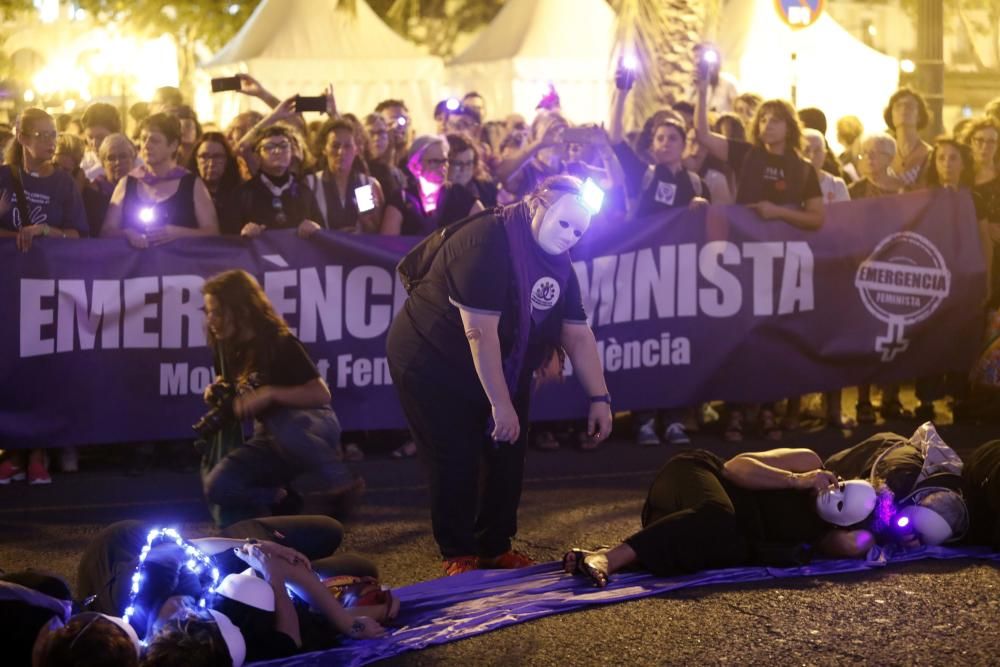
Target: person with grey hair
column 116, row 156
column 877, row 152
column 429, row 201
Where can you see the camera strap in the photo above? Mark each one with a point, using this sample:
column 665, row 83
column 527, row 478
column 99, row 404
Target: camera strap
column 22, row 200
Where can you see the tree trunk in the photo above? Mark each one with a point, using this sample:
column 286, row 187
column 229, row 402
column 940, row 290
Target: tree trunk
column 661, row 34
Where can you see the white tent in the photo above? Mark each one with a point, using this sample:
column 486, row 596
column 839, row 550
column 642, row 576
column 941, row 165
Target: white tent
column 831, row 69
column 299, row 46
column 532, row 43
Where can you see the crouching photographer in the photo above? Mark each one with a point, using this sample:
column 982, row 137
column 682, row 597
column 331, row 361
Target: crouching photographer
column 294, row 455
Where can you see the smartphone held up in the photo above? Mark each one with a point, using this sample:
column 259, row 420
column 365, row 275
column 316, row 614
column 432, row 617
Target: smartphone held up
column 365, row 198
column 224, row 83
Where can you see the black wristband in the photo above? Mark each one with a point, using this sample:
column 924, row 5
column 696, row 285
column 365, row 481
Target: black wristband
column 603, row 398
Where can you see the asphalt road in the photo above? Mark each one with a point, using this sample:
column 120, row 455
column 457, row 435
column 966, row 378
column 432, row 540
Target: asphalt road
column 934, row 613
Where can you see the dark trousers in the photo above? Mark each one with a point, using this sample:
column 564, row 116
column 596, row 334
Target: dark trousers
column 981, row 488
column 289, row 447
column 689, row 522
column 107, row 564
column 475, row 484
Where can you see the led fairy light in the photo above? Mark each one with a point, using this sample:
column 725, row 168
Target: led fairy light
column 198, row 562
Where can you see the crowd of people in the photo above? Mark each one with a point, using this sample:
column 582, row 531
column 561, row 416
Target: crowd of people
column 375, row 173
column 466, row 347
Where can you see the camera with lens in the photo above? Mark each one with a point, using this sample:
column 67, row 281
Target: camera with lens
column 221, row 396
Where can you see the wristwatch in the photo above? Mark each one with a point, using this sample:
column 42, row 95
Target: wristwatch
column 603, row 398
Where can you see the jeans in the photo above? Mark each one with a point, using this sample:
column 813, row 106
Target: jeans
column 289, row 447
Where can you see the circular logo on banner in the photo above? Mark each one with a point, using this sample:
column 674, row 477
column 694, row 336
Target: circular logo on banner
column 799, row 13
column 901, row 283
column 904, row 279
column 545, row 293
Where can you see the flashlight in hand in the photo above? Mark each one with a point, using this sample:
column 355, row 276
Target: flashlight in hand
column 708, row 63
column 626, row 72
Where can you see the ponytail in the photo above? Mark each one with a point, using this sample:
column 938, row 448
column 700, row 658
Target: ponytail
column 14, row 155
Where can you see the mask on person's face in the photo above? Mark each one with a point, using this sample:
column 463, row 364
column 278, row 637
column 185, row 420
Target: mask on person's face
column 847, row 503
column 562, row 225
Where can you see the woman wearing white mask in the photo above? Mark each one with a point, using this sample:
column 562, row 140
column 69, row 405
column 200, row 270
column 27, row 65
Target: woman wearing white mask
column 769, row 508
column 490, row 301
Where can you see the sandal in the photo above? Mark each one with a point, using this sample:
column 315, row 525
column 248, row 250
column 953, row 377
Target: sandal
column 590, row 564
column 866, row 412
column 734, row 429
column 769, row 425
column 406, row 451
column 353, row 453
column 545, row 441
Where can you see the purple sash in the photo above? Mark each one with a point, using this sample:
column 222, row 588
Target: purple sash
column 539, row 281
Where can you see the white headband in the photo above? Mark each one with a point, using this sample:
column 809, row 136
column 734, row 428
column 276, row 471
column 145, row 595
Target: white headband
column 235, row 642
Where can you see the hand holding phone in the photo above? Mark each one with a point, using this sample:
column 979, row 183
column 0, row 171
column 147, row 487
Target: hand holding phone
column 365, row 198
column 581, row 135
column 310, row 103
column 223, row 83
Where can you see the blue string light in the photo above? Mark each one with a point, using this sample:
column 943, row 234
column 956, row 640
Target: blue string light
column 198, row 562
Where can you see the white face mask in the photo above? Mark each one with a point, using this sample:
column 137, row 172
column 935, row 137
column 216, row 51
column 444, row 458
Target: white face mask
column 562, row 225
column 847, row 503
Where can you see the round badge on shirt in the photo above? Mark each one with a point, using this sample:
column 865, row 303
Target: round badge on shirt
column 545, row 293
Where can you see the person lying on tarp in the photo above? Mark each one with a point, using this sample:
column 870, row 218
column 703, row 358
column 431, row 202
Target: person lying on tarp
column 774, row 508
column 981, row 488
column 37, row 628
column 161, row 585
column 923, row 478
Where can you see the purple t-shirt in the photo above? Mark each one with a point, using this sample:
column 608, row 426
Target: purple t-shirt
column 53, row 200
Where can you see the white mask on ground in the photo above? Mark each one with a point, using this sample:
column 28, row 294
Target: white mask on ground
column 563, row 224
column 847, row 503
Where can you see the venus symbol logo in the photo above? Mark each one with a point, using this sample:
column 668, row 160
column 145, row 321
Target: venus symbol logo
column 545, row 293
column 901, row 283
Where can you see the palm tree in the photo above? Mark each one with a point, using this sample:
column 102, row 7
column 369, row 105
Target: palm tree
column 661, row 35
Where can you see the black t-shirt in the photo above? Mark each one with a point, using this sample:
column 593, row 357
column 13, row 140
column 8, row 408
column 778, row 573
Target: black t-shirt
column 667, row 190
column 763, row 176
column 633, row 166
column 287, row 364
column 986, row 196
column 257, row 626
column 256, row 203
column 473, row 269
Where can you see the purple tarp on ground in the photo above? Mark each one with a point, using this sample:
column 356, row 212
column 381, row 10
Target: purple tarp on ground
column 104, row 343
column 448, row 609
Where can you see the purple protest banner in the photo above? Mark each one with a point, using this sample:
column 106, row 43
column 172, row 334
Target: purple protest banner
column 721, row 305
column 104, row 343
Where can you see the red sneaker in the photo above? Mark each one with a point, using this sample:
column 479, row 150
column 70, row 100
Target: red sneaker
column 10, row 472
column 460, row 565
column 37, row 474
column 510, row 560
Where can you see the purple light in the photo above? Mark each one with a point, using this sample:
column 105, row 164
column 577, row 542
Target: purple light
column 452, row 104
column 147, row 215
column 903, row 521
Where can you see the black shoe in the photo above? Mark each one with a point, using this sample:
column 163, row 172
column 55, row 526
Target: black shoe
column 924, row 412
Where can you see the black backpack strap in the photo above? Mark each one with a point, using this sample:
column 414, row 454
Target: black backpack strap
column 416, row 263
column 22, row 200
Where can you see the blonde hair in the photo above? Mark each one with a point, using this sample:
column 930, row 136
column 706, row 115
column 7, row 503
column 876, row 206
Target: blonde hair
column 26, row 122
